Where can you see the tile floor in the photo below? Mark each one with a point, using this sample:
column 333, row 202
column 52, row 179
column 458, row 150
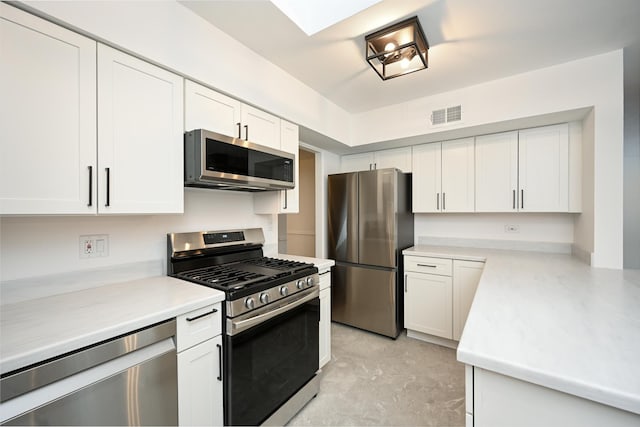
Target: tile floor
column 376, row 381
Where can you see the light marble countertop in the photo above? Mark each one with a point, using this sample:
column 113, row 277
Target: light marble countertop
column 41, row 328
column 322, row 263
column 552, row 320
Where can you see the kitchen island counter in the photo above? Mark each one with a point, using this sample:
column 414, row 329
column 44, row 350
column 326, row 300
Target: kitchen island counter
column 551, row 320
column 41, row 328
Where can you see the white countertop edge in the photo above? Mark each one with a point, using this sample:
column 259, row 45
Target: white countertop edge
column 608, row 396
column 321, row 263
column 446, row 254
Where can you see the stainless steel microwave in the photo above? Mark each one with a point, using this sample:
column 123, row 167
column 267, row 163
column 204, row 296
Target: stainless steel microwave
column 222, row 162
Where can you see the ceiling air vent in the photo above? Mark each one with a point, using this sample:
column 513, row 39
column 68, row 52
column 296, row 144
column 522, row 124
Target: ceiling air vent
column 446, row 115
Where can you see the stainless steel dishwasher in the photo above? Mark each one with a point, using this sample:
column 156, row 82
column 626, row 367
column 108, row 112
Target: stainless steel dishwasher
column 128, row 380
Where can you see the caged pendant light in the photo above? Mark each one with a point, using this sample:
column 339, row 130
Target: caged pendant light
column 398, row 49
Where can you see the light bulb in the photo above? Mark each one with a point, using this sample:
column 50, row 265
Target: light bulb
column 404, row 64
column 389, row 47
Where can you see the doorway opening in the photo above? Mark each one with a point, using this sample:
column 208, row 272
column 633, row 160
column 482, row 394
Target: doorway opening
column 297, row 232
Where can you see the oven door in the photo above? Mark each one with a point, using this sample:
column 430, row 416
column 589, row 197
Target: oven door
column 268, row 359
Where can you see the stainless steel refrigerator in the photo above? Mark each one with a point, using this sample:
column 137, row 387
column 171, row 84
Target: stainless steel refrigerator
column 370, row 223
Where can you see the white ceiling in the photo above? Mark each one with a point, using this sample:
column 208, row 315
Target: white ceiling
column 471, row 41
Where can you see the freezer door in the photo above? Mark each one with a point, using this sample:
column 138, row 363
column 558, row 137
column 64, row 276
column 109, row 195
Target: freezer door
column 377, row 217
column 343, row 217
column 365, row 298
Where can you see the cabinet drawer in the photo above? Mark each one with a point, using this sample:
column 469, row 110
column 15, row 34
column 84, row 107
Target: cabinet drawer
column 420, row 264
column 198, row 326
column 325, row 280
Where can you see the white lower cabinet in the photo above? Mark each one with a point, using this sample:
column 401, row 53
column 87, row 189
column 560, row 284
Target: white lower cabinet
column 428, row 304
column 500, row 400
column 466, row 275
column 438, row 293
column 325, row 318
column 200, row 384
column 200, row 367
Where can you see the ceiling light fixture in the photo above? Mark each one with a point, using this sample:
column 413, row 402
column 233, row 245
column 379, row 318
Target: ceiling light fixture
column 398, row 49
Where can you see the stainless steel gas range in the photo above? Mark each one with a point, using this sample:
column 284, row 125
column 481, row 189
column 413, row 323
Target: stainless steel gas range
column 272, row 314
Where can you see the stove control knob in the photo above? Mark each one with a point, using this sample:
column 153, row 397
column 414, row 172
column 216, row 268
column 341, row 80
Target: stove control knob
column 300, row 284
column 249, row 303
column 264, row 298
column 284, row 291
column 309, row 281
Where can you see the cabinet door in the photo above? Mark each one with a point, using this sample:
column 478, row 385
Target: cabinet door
column 47, row 117
column 284, row 201
column 399, row 158
column 497, row 172
column 428, row 304
column 356, row 162
column 544, row 169
column 200, row 384
column 325, row 327
column 458, row 190
column 426, row 186
column 260, row 127
column 466, row 275
column 140, row 136
column 207, row 109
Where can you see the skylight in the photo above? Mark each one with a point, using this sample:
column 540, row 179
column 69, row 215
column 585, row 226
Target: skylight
column 313, row 16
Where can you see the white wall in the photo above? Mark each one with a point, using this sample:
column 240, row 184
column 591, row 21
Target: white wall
column 591, row 82
column 553, row 228
column 36, row 246
column 170, row 35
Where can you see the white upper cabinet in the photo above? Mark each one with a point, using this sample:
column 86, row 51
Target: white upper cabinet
column 458, row 191
column 284, row 201
column 140, row 136
column 260, row 127
column 497, row 172
column 443, row 178
column 427, row 177
column 47, row 117
column 207, row 109
column 399, row 158
column 544, row 169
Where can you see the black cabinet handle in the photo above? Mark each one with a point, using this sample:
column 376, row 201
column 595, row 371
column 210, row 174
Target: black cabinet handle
column 437, row 201
column 239, row 130
column 405, row 283
column 427, row 265
column 219, row 378
column 107, row 170
column 521, row 199
column 514, row 199
column 443, row 201
column 208, row 313
column 90, row 186
column 246, row 132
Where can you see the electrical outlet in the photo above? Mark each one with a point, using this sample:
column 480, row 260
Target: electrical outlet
column 511, row 228
column 94, row 246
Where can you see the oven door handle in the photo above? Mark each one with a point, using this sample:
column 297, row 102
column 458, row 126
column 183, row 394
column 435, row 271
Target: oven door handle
column 236, row 326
